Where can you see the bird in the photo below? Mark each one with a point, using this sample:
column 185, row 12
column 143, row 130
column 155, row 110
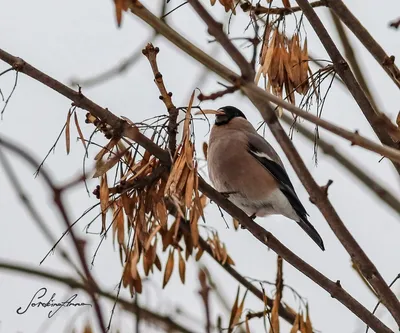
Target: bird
column 244, row 166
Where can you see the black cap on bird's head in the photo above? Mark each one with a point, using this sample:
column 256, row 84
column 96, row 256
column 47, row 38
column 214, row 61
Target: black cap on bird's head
column 226, row 114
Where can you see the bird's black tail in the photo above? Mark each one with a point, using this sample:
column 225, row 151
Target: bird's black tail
column 310, row 230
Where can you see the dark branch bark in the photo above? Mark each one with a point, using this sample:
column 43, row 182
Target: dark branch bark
column 388, row 298
column 261, row 234
column 342, row 68
column 151, row 317
column 347, row 17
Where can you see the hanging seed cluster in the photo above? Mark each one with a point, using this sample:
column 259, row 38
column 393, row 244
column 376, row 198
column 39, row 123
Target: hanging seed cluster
column 284, row 64
column 228, row 5
column 143, row 196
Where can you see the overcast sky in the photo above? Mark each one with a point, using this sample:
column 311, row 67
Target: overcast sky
column 74, row 38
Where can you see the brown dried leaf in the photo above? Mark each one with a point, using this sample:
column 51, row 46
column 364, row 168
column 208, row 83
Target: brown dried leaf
column 168, row 268
column 78, row 128
column 182, row 267
column 270, row 52
column 104, row 201
column 182, row 181
column 194, row 228
column 137, row 284
column 277, row 300
column 294, row 61
column 286, row 3
column 303, row 328
column 107, row 148
column 134, row 260
column 199, row 253
column 103, row 168
column 162, row 213
column 120, row 222
column 234, row 311
column 189, row 188
column 67, row 132
column 296, row 324
column 304, row 68
column 236, row 224
column 308, row 321
column 157, row 263
column 229, row 261
column 152, row 235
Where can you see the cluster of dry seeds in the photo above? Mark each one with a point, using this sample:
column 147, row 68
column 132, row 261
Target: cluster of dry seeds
column 284, row 64
column 228, row 5
column 141, row 199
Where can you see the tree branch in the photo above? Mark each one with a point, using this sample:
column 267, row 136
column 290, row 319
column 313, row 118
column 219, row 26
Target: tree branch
column 215, row 29
column 258, row 9
column 261, row 234
column 347, row 17
column 151, row 54
column 342, row 68
column 129, row 306
column 388, row 298
column 138, row 9
column 78, row 244
column 373, row 185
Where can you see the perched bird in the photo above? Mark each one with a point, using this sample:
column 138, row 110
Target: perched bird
column 247, row 169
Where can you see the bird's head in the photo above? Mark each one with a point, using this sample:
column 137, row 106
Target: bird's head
column 225, row 114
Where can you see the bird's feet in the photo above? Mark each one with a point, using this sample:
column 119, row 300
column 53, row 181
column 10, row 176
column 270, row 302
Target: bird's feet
column 227, row 194
column 252, row 217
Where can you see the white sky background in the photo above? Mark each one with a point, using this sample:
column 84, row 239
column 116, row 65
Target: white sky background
column 79, row 39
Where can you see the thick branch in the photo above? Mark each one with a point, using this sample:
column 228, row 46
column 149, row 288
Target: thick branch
column 129, row 132
column 342, row 68
column 258, row 9
column 151, row 317
column 261, row 234
column 388, row 298
column 387, row 63
column 213, row 65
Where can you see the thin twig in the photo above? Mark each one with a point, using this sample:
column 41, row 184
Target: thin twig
column 79, row 245
column 379, row 190
column 215, row 29
column 347, row 17
column 388, row 298
column 342, row 68
column 262, row 235
column 151, row 54
column 147, row 315
column 258, row 9
column 204, row 293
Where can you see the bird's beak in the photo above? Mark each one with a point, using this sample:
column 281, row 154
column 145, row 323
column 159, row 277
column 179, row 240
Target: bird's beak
column 210, row 111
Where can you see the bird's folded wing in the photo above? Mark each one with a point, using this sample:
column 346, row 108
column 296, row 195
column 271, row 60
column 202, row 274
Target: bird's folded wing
column 265, row 154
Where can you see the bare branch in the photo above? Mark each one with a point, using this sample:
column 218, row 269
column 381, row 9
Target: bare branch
column 347, row 17
column 342, row 68
column 258, row 9
column 78, row 244
column 261, row 234
column 149, row 316
column 373, row 185
column 151, row 54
